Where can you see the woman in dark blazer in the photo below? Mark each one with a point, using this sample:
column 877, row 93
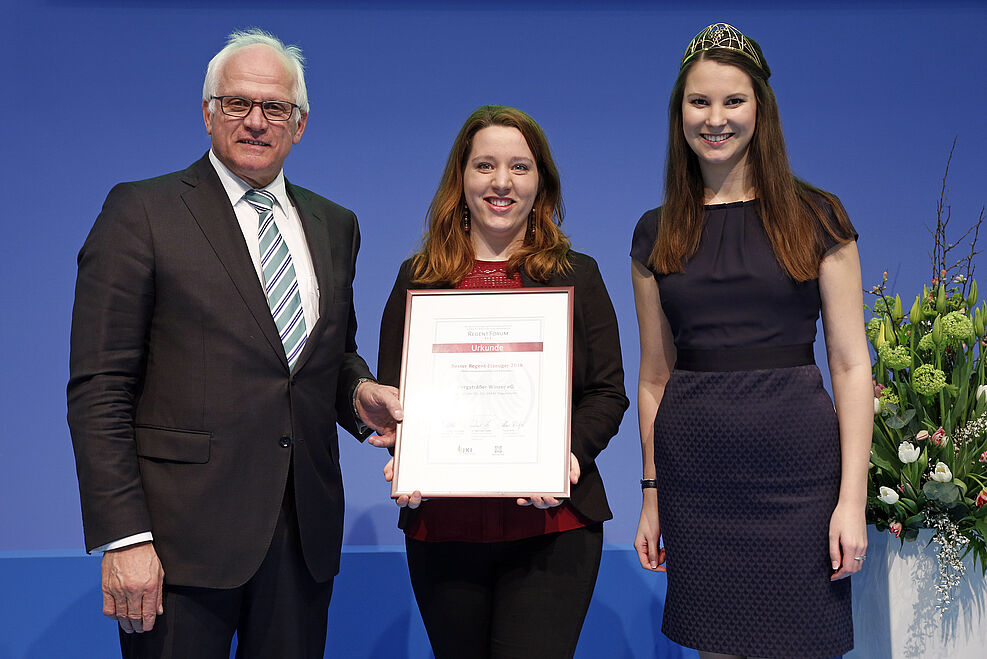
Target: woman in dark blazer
column 506, row 577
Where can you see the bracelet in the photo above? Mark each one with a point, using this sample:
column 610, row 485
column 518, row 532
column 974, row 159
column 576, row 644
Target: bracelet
column 648, row 483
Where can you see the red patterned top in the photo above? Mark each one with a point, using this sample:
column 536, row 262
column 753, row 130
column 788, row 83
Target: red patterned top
column 489, row 520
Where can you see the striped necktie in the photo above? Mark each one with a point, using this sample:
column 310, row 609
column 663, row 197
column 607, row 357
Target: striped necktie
column 280, row 282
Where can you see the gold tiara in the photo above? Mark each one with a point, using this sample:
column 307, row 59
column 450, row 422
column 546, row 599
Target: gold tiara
column 722, row 35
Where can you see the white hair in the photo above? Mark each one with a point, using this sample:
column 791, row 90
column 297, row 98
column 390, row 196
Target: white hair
column 255, row 36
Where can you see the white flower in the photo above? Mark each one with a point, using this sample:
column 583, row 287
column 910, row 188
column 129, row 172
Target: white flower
column 888, row 496
column 942, row 473
column 877, row 405
column 908, row 453
column 982, row 391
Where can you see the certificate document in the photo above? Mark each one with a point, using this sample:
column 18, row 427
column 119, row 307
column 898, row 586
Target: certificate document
column 486, row 389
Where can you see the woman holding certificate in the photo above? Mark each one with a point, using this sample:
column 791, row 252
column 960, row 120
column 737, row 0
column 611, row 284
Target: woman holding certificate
column 755, row 483
column 510, row 577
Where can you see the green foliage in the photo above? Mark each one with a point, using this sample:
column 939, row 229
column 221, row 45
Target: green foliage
column 928, row 370
column 943, row 493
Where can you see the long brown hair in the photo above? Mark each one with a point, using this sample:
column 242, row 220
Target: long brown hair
column 446, row 254
column 791, row 209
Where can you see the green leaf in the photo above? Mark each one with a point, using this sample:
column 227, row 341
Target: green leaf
column 923, row 461
column 896, row 422
column 881, row 436
column 883, row 463
column 915, row 520
column 945, row 493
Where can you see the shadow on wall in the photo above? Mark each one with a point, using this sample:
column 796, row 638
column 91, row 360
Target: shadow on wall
column 375, row 525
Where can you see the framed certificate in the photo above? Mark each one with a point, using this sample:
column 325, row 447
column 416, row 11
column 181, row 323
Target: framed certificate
column 486, row 385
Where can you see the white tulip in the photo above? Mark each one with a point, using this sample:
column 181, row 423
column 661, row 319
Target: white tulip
column 982, row 392
column 877, row 406
column 908, row 453
column 888, row 496
column 942, row 473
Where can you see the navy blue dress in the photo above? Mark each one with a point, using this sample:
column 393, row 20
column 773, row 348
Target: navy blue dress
column 748, row 461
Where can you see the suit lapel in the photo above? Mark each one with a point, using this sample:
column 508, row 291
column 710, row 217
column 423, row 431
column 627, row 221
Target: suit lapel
column 209, row 204
column 317, row 237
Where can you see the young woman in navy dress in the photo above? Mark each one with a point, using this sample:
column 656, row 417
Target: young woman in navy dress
column 755, row 484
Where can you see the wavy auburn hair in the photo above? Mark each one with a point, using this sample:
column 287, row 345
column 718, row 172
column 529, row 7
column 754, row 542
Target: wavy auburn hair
column 446, row 253
column 792, row 210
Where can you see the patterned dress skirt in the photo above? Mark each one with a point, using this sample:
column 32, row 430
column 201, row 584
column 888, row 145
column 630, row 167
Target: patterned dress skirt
column 748, row 468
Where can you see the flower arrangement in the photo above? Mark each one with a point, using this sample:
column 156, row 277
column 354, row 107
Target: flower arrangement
column 929, row 455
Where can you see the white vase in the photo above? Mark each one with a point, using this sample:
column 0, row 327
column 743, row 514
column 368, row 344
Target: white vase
column 894, row 604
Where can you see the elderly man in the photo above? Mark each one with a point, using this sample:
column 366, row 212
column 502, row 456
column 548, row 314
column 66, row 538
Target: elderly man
column 213, row 353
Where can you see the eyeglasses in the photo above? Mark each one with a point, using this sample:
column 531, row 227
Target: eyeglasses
column 237, row 106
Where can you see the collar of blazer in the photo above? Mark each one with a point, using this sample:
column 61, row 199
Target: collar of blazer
column 209, row 205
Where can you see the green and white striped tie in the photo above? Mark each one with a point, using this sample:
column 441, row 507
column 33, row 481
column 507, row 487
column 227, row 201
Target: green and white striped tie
column 280, row 282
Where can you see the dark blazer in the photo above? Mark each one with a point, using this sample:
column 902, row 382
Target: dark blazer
column 598, row 400
column 183, row 413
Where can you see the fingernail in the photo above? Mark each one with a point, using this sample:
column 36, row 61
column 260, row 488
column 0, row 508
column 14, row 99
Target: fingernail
column 654, row 566
column 836, row 565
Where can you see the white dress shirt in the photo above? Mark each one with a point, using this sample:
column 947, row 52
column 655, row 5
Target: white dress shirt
column 290, row 226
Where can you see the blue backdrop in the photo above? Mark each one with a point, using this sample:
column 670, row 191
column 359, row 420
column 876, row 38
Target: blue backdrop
column 871, row 99
column 872, row 95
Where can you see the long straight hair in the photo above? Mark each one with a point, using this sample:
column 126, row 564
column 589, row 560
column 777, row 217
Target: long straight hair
column 792, row 210
column 447, row 255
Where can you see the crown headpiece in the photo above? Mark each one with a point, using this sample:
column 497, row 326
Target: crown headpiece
column 727, row 37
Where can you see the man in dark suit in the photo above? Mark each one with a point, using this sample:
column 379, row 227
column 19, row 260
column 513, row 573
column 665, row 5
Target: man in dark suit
column 213, row 353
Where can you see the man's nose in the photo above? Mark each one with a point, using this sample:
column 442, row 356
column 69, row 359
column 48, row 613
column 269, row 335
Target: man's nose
column 255, row 119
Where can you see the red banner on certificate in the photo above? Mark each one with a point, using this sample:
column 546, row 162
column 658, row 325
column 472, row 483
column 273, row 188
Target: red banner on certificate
column 524, row 346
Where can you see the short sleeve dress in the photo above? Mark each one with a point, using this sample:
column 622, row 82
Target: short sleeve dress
column 747, row 451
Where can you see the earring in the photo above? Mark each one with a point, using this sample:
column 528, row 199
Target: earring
column 466, row 220
column 531, row 225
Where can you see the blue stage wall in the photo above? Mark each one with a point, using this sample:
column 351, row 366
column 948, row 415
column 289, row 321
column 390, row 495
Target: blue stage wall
column 872, row 95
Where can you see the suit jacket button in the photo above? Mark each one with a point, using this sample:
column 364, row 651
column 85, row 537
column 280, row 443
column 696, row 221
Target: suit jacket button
column 285, row 442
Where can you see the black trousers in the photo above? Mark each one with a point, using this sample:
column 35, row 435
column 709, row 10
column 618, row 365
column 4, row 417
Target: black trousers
column 523, row 599
column 280, row 613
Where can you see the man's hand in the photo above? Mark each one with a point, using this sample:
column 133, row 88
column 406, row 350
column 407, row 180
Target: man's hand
column 379, row 407
column 132, row 587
